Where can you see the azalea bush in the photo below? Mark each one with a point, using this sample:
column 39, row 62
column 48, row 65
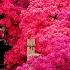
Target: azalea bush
column 58, row 59
column 48, row 22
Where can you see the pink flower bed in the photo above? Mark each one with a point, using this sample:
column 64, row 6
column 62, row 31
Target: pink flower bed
column 47, row 21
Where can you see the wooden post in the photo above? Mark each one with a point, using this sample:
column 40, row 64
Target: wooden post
column 31, row 48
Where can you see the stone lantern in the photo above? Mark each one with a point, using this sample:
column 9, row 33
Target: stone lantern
column 4, row 47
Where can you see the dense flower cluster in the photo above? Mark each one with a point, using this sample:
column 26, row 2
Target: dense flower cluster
column 58, row 59
column 10, row 31
column 46, row 21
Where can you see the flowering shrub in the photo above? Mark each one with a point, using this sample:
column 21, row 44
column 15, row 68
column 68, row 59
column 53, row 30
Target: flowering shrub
column 46, row 21
column 58, row 59
column 51, row 62
column 10, row 31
